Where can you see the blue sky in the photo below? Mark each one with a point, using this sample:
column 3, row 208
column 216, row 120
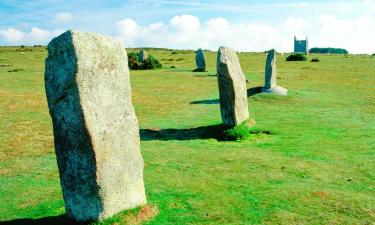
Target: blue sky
column 242, row 25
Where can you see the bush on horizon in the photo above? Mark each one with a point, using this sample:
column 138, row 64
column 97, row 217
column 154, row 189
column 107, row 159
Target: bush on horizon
column 150, row 64
column 296, row 57
column 329, row 50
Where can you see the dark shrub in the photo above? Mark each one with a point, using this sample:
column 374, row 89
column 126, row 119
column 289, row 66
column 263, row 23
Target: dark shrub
column 315, row 60
column 133, row 60
column 296, row 57
column 149, row 64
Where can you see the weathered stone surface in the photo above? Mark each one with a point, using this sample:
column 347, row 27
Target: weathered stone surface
column 200, row 60
column 276, row 91
column 143, row 56
column 270, row 77
column 232, row 88
column 270, row 71
column 95, row 129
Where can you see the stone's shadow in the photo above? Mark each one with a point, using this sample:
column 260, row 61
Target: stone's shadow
column 254, row 90
column 183, row 70
column 205, row 75
column 250, row 92
column 199, row 71
column 206, row 102
column 50, row 220
column 204, row 132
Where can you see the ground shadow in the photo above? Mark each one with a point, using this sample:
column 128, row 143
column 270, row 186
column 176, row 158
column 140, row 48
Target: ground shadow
column 204, row 75
column 204, row 132
column 50, row 220
column 254, row 90
column 206, row 102
column 178, row 70
column 250, row 92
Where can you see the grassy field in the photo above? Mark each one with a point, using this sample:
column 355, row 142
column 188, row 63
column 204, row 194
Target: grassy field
column 317, row 165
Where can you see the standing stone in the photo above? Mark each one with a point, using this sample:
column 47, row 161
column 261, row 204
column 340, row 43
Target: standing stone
column 270, row 76
column 143, row 56
column 232, row 88
column 96, row 132
column 270, row 71
column 200, row 60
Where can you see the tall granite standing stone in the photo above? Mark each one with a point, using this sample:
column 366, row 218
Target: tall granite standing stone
column 95, row 128
column 270, row 71
column 200, row 60
column 232, row 88
column 143, row 56
column 270, row 76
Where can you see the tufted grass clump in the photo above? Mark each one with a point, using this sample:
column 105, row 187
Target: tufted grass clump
column 237, row 133
column 296, row 57
column 137, row 215
column 315, row 60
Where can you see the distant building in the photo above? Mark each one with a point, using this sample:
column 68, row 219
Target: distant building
column 301, row 46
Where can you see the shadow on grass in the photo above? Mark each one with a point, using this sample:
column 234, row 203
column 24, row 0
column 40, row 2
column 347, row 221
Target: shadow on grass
column 133, row 216
column 250, row 92
column 254, row 90
column 206, row 102
column 50, row 220
column 200, row 70
column 204, row 75
column 204, row 132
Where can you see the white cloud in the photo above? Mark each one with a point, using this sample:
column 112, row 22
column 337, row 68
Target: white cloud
column 63, row 17
column 128, row 29
column 370, row 5
column 185, row 24
column 188, row 32
column 11, row 35
column 34, row 36
column 296, row 25
column 356, row 35
column 38, row 34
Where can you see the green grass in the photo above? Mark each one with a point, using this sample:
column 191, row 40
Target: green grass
column 317, row 167
column 240, row 132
